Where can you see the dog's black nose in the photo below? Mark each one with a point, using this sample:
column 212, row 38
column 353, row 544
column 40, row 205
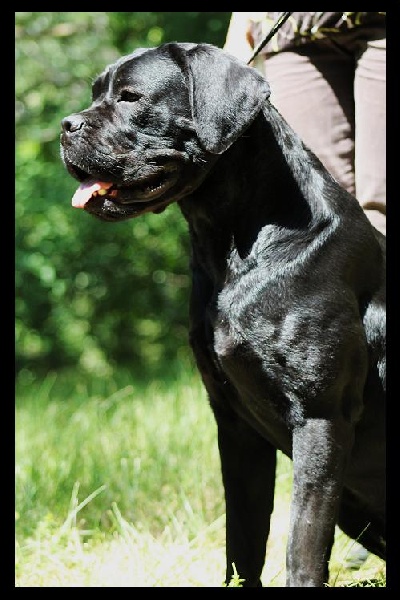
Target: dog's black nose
column 72, row 123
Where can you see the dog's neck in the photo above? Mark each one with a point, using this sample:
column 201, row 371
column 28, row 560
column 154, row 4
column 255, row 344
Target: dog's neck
column 286, row 199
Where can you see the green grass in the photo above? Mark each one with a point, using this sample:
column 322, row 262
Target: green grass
column 118, row 485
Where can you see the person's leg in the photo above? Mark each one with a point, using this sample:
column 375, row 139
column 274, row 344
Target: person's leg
column 370, row 131
column 312, row 88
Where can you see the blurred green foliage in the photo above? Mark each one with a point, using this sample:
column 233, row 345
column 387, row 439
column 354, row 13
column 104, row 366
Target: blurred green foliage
column 91, row 294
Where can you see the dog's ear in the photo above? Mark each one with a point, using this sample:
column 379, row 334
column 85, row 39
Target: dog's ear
column 225, row 95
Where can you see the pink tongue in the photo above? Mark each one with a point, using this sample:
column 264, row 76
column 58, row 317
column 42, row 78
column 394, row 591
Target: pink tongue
column 86, row 190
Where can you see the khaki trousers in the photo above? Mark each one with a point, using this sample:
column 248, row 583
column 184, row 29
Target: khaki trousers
column 333, row 93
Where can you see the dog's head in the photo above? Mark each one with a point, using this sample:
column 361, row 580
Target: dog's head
column 158, row 121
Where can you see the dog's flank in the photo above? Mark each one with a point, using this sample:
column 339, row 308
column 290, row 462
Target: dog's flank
column 287, row 310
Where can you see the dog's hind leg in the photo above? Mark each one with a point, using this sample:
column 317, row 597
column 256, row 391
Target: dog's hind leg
column 320, row 450
column 248, row 465
column 358, row 523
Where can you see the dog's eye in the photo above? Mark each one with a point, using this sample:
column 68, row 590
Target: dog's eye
column 129, row 96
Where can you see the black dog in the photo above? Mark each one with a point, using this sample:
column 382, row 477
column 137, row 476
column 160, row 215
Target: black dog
column 287, row 315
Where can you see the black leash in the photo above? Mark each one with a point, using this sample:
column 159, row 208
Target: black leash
column 278, row 23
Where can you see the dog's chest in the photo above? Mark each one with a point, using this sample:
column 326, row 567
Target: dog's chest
column 248, row 355
column 247, row 343
column 246, row 320
column 244, row 338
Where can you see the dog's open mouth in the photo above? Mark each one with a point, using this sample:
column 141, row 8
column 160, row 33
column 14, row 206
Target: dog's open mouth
column 91, row 188
column 143, row 190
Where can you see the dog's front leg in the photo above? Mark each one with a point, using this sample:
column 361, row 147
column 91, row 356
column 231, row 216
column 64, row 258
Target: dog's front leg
column 248, row 465
column 320, row 449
